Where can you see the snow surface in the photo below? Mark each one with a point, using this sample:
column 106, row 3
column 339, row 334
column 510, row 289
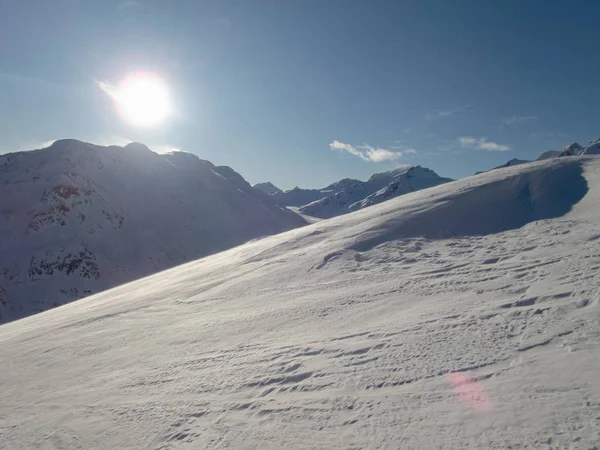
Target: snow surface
column 465, row 315
column 77, row 218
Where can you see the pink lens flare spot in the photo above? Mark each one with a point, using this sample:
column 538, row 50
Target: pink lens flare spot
column 470, row 390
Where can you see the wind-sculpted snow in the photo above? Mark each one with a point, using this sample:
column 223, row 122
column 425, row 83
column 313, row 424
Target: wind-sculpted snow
column 510, row 202
column 369, row 330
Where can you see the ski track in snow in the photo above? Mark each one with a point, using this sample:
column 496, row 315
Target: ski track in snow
column 300, row 341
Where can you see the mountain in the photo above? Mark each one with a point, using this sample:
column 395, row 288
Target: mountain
column 268, row 188
column 383, row 186
column 549, row 154
column 413, row 179
column 510, row 163
column 571, row 150
column 593, row 147
column 461, row 316
column 513, row 162
column 574, row 149
column 77, row 218
column 299, row 196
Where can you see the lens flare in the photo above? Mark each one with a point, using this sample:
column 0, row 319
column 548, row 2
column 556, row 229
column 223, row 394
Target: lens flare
column 470, row 390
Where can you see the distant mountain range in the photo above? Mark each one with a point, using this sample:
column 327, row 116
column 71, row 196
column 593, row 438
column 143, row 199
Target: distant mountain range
column 380, row 187
column 574, row 149
column 78, row 218
column 349, row 195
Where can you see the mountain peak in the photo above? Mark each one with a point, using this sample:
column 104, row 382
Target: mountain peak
column 571, row 150
column 268, row 188
column 136, row 146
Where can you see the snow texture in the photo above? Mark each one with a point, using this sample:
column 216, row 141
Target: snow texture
column 466, row 315
column 76, row 219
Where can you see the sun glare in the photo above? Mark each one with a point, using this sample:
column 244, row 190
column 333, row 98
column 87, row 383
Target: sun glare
column 142, row 99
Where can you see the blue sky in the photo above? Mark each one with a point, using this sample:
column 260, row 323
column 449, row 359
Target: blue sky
column 307, row 92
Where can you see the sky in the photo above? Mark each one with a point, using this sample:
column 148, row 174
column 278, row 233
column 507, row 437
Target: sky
column 306, row 92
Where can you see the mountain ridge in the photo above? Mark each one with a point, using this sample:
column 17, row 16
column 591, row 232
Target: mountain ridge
column 78, row 218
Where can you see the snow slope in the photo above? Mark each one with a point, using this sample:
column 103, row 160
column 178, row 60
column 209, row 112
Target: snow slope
column 76, row 219
column 462, row 316
column 382, row 186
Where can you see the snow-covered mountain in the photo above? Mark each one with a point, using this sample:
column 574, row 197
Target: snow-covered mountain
column 268, row 188
column 574, row 149
column 513, row 162
column 549, row 154
column 593, row 148
column 77, row 218
column 355, row 194
column 510, row 163
column 299, row 196
column 462, row 316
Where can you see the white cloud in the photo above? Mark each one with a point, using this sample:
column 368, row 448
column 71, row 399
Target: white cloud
column 482, row 144
column 108, row 88
column 441, row 113
column 518, row 119
column 410, row 151
column 366, row 152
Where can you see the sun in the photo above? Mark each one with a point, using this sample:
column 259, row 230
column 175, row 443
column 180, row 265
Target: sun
column 142, row 99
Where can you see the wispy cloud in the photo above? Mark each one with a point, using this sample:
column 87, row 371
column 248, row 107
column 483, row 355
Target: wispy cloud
column 128, row 4
column 441, row 113
column 410, row 151
column 548, row 134
column 514, row 120
column 366, row 152
column 108, row 88
column 482, row 144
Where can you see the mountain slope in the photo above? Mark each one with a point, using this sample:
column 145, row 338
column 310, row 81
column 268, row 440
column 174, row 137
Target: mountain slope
column 78, row 218
column 548, row 154
column 380, row 187
column 299, row 196
column 573, row 149
column 465, row 315
column 268, row 188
